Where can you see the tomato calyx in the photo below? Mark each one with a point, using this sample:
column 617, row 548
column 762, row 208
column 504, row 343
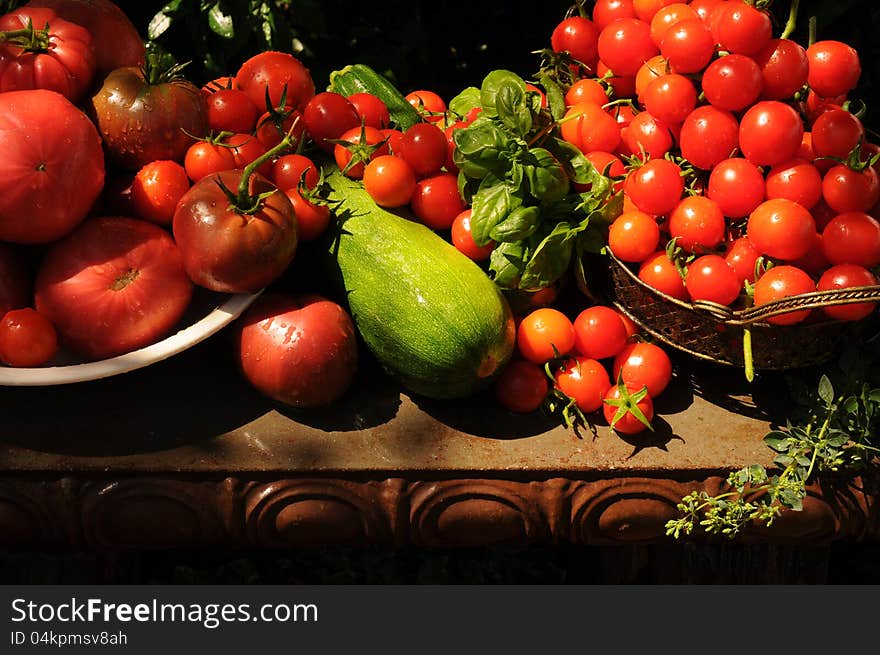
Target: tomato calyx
column 361, row 151
column 627, row 403
column 28, row 38
column 558, row 402
column 854, row 161
column 160, row 68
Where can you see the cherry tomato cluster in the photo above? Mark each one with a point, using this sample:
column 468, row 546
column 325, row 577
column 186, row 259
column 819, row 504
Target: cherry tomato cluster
column 597, row 362
column 746, row 176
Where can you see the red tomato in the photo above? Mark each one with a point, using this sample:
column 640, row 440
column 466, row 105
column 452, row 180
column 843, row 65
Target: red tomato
column 742, row 257
column 312, row 218
column 112, row 286
column 708, row 136
column 625, row 44
column 797, row 180
column 204, row 158
column 364, row 146
column 372, row 111
column 770, row 132
column 704, row 8
column 655, row 187
column 274, row 125
column 429, row 104
column 643, row 365
column 229, row 248
column 668, row 17
column 659, row 272
column 622, row 419
column 646, row 9
column 522, row 386
column 847, row 276
column 647, row 133
column 424, row 148
column 463, row 239
column 784, row 68
column 814, row 262
column 834, row 68
column 585, row 90
column 622, row 86
column 607, row 164
column 449, row 133
column 671, row 98
column 589, row 127
column 852, row 238
column 579, row 37
column 847, row 190
column 156, row 190
column 633, row 236
column 329, row 115
column 710, row 278
column 298, row 350
column 545, row 334
column 742, row 29
column 605, row 11
column 782, row 282
column 648, row 72
column 279, row 73
column 599, row 332
column 688, row 46
column 288, row 171
column 698, row 224
column 835, row 133
column 57, row 55
column 27, row 338
column 782, row 229
column 245, row 149
column 53, row 166
column 231, row 110
column 733, row 82
column 585, row 381
column 436, row 201
column 632, row 330
column 737, row 186
column 390, row 180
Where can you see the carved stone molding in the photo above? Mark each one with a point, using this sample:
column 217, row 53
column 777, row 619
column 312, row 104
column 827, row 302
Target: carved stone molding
column 159, row 511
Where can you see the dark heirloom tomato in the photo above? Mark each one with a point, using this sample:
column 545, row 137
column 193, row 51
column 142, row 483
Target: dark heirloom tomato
column 53, row 167
column 113, row 285
column 228, row 250
column 143, row 118
column 114, row 37
column 43, row 51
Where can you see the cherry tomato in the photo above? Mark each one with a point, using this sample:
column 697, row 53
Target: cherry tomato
column 390, row 181
column 847, row 190
column 815, row 105
column 660, row 273
column 835, row 133
column 708, row 136
column 579, row 37
column 671, row 98
column 429, row 104
column 246, row 148
column 784, row 68
column 274, row 125
column 393, row 139
column 782, row 282
column 27, row 338
column 277, row 73
column 733, row 82
column 329, row 115
column 814, row 262
column 436, row 201
column 781, row 228
column 205, row 158
column 607, row 164
column 742, row 29
column 589, row 127
column 646, row 9
column 449, row 133
column 633, row 236
column 704, row 8
column 364, row 146
column 585, row 381
column 622, row 86
column 655, row 187
column 156, row 190
column 464, row 240
column 737, row 186
column 599, row 332
column 371, row 109
column 647, row 133
column 648, row 72
column 698, row 224
column 742, row 257
column 231, row 110
column 522, row 386
column 424, row 148
column 626, row 44
column 852, row 238
column 605, row 11
column 834, row 68
column 585, row 90
column 847, row 276
column 288, row 170
column 312, row 218
column 710, row 278
column 770, row 132
column 688, row 46
column 627, row 423
column 797, row 180
column 545, row 334
column 668, row 17
column 643, row 364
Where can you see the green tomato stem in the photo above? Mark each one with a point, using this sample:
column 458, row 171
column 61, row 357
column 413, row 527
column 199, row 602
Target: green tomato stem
column 244, row 201
column 790, row 26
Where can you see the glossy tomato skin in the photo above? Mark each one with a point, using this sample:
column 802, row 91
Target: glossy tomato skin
column 585, row 381
column 625, row 44
column 737, row 186
column 742, row 257
column 289, row 170
column 521, row 387
column 390, row 180
column 847, row 276
column 436, row 201
column 312, row 218
column 782, row 229
column 67, row 65
column 27, row 338
column 372, row 111
column 659, row 272
column 847, row 190
column 655, row 187
column 544, row 334
column 590, row 128
column 770, row 132
column 852, row 238
column 463, row 239
column 226, row 251
column 708, row 136
column 710, row 278
column 797, row 180
column 646, row 133
column 732, row 83
column 141, row 122
column 784, row 68
column 156, row 190
column 643, row 364
column 781, row 282
column 298, row 350
column 231, row 110
column 633, row 236
column 688, row 46
column 579, row 37
column 328, row 115
column 835, row 132
column 53, row 163
column 671, row 98
column 697, row 223
column 281, row 74
column 599, row 332
column 113, row 285
column 834, row 68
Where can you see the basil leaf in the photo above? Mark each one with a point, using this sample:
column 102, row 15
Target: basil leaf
column 492, row 84
column 549, row 261
column 479, row 149
column 519, row 224
column 546, row 179
column 512, row 107
column 491, row 203
column 220, row 23
column 555, row 97
column 464, row 102
column 507, row 262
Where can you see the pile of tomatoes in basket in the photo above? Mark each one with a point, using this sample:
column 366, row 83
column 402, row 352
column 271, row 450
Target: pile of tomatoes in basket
column 746, row 171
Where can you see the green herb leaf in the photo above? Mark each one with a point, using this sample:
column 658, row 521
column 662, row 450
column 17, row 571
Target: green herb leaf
column 464, row 102
column 826, row 391
column 507, row 262
column 492, row 86
column 519, row 224
column 549, row 261
column 221, row 23
column 492, row 202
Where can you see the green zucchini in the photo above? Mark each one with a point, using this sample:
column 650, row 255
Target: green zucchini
column 360, row 78
column 430, row 315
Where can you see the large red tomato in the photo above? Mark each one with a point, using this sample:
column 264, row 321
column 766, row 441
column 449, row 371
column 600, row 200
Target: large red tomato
column 116, row 40
column 52, row 169
column 298, row 350
column 112, row 286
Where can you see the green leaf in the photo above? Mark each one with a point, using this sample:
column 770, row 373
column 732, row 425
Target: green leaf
column 778, row 441
column 220, row 23
column 519, row 224
column 162, row 20
column 549, row 261
column 464, row 102
column 555, row 96
column 511, row 104
column 479, row 149
column 507, row 262
column 544, row 175
column 826, row 391
column 491, row 204
column 492, row 84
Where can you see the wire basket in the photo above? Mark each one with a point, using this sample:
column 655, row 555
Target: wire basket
column 717, row 333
